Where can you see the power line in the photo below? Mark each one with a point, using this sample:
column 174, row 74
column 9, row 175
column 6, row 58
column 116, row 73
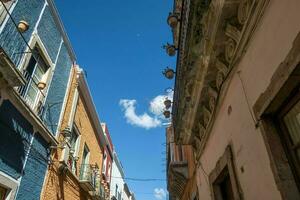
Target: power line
column 140, row 179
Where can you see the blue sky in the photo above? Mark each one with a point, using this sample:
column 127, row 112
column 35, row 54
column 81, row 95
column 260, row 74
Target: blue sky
column 119, row 43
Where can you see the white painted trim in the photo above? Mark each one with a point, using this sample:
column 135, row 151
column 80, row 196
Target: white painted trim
column 63, row 108
column 40, row 17
column 7, row 16
column 53, row 69
column 73, row 109
column 11, row 184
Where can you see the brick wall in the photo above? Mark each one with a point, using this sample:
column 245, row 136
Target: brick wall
column 67, row 187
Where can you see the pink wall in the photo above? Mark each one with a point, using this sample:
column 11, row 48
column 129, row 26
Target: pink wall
column 268, row 48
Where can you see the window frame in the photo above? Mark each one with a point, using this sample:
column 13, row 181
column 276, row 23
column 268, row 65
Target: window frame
column 225, row 161
column 11, row 185
column 37, row 42
column 285, row 79
column 284, row 135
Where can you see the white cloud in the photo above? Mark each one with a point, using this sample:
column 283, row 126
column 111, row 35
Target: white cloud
column 160, row 193
column 157, row 104
column 144, row 120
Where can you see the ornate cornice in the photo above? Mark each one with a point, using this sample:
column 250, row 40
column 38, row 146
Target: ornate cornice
column 213, row 39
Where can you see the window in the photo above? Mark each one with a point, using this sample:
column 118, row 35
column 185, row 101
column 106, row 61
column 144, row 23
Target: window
column 85, row 168
column 108, row 173
column 8, row 187
column 116, row 190
column 36, row 74
column 3, row 11
column 223, row 180
column 3, row 193
column 104, row 163
column 289, row 119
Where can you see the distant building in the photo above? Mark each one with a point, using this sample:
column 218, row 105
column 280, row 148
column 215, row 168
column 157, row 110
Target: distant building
column 107, row 160
column 236, row 100
column 119, row 187
column 36, row 60
column 117, row 179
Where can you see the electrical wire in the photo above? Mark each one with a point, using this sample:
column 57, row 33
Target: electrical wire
column 139, row 179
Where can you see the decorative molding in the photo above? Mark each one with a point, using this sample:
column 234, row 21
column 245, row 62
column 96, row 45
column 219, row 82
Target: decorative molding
column 214, row 35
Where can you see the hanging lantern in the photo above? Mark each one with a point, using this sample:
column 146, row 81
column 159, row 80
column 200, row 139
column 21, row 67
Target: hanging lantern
column 169, row 73
column 172, row 20
column 23, row 26
column 170, row 49
column 167, row 114
column 168, row 103
column 42, row 84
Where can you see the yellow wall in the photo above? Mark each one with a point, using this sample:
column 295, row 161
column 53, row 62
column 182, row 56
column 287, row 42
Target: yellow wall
column 67, row 186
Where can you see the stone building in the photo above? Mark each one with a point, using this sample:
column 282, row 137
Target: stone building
column 36, row 59
column 236, row 99
column 75, row 169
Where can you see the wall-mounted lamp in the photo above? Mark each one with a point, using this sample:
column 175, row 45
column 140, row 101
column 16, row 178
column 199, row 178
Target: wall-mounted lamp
column 173, row 20
column 23, row 26
column 169, row 73
column 66, row 133
column 167, row 114
column 170, row 49
column 168, row 103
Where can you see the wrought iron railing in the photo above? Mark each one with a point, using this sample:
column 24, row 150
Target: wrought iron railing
column 88, row 174
column 99, row 189
column 32, row 95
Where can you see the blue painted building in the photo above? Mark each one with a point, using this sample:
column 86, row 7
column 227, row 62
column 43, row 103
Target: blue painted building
column 36, row 61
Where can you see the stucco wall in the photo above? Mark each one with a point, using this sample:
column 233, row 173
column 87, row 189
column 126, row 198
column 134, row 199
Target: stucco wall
column 268, row 48
column 116, row 181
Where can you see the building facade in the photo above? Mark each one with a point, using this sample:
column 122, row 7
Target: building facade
column 117, row 179
column 36, row 59
column 119, row 188
column 75, row 169
column 236, row 98
column 107, row 160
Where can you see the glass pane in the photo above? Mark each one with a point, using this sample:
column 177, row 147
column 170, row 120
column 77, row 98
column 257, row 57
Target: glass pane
column 292, row 122
column 32, row 93
column 38, row 74
column 73, row 140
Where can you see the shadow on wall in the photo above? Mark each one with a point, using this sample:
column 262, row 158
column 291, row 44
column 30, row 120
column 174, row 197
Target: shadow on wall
column 63, row 186
column 16, row 134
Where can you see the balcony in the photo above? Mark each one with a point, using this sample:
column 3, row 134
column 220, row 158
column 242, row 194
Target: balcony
column 99, row 193
column 32, row 95
column 10, row 73
column 177, row 177
column 87, row 177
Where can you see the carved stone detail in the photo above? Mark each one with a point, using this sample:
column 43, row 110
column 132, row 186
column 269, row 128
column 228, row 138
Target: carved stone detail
column 212, row 98
column 244, row 10
column 229, row 49
column 219, row 79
